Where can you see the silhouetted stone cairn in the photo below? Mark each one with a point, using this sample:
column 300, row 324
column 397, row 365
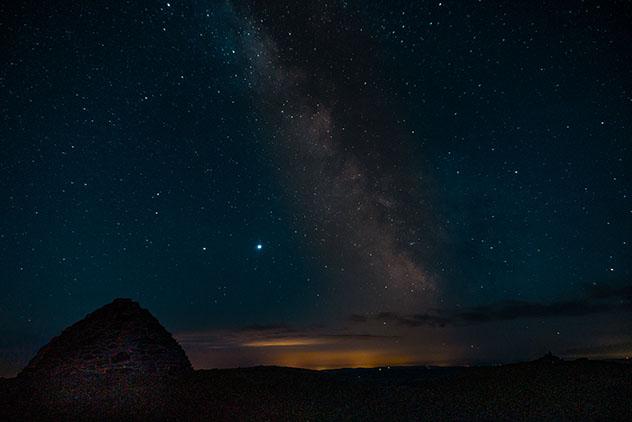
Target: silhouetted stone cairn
column 115, row 358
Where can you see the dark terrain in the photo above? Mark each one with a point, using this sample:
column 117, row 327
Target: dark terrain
column 119, row 363
column 591, row 390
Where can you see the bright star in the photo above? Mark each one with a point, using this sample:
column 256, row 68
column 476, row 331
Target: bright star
column 259, row 246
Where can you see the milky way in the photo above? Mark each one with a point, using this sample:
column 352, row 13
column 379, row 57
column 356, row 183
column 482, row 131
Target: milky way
column 351, row 212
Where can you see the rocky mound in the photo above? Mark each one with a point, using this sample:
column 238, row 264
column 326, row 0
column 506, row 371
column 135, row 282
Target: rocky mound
column 117, row 362
column 119, row 337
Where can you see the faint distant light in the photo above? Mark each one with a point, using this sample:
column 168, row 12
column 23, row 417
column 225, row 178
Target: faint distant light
column 259, row 246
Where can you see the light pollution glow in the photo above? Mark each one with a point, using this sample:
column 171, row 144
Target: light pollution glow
column 325, row 359
column 248, row 347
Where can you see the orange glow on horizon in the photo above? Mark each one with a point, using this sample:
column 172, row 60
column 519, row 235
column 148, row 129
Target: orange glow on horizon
column 330, row 359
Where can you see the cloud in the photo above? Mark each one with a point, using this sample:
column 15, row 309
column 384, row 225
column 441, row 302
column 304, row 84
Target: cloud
column 415, row 320
column 605, row 291
column 598, row 299
column 271, row 336
column 515, row 309
column 285, row 342
column 358, row 318
column 603, row 351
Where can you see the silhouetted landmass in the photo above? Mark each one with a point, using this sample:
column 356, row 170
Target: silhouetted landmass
column 159, row 385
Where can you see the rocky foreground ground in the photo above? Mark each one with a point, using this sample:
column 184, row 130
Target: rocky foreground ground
column 541, row 390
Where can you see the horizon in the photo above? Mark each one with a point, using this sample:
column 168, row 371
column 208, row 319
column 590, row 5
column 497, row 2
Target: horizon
column 321, row 183
column 361, row 359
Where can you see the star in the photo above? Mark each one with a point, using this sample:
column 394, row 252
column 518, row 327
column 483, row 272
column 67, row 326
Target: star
column 259, row 246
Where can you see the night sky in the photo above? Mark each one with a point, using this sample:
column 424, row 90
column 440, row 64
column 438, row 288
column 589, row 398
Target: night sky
column 321, row 184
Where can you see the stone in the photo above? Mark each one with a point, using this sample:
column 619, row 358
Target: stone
column 119, row 332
